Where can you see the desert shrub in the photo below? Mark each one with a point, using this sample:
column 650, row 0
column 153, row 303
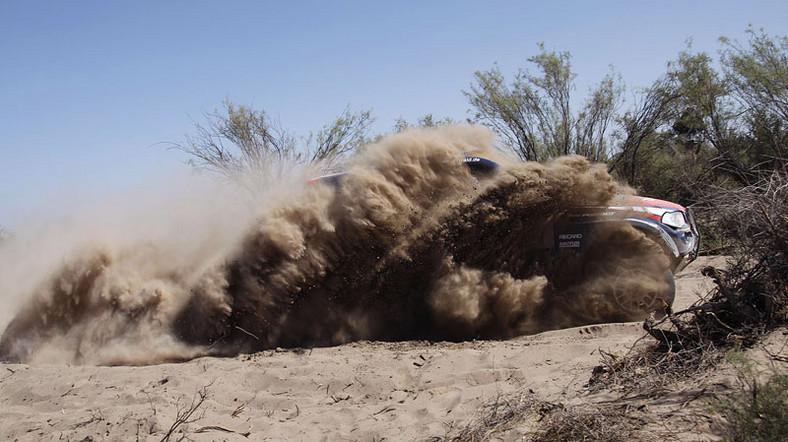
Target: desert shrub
column 591, row 423
column 758, row 412
column 755, row 220
column 493, row 418
column 750, row 297
column 540, row 421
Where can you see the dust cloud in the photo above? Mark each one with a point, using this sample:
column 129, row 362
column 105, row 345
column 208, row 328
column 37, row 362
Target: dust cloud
column 409, row 245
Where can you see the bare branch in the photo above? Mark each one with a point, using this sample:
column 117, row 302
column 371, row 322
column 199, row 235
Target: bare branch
column 185, row 416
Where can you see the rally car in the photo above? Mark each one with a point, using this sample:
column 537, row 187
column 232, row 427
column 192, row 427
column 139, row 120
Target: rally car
column 575, row 237
column 670, row 225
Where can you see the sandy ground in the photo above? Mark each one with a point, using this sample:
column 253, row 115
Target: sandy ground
column 359, row 391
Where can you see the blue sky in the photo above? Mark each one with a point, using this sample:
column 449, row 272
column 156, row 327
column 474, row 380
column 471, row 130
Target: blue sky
column 90, row 90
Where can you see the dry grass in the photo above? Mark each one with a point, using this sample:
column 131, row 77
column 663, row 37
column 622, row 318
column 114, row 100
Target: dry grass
column 494, row 418
column 611, row 422
column 522, row 416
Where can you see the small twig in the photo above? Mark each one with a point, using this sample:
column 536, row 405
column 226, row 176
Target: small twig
column 150, row 402
column 218, row 428
column 694, row 397
column 338, row 399
column 774, row 229
column 297, row 413
column 384, row 410
column 87, row 422
column 775, row 356
column 709, row 306
column 247, row 332
column 719, row 321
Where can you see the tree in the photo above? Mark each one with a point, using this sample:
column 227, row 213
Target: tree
column 705, row 123
column 597, row 117
column 238, row 141
column 241, row 140
column 346, row 134
column 640, row 125
column 533, row 115
column 758, row 78
column 683, row 121
column 426, row 121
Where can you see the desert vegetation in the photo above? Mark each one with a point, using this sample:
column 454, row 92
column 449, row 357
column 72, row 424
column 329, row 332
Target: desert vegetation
column 711, row 134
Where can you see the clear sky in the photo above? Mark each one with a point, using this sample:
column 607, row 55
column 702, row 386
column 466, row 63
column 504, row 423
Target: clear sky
column 89, row 90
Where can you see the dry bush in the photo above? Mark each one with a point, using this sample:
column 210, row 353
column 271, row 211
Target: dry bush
column 751, row 295
column 652, row 371
column 750, row 299
column 755, row 221
column 494, row 418
column 185, row 416
column 608, row 423
column 522, row 416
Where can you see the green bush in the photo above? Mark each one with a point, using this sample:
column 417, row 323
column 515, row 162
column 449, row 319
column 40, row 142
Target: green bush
column 759, row 412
